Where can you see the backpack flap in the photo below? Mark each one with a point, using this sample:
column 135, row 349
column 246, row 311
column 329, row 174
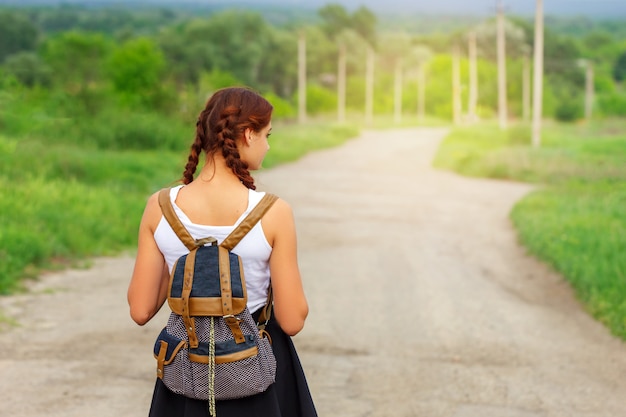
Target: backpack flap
column 205, row 298
column 190, row 295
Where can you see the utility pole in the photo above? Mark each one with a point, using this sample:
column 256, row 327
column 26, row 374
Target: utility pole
column 526, row 88
column 589, row 90
column 501, row 47
column 456, row 87
column 369, row 86
column 301, row 78
column 473, row 75
column 341, row 84
column 421, row 91
column 398, row 91
column 538, row 75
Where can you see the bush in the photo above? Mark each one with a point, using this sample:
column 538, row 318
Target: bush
column 127, row 130
column 282, row 108
column 319, row 99
column 613, row 104
column 28, row 69
column 568, row 111
column 519, row 134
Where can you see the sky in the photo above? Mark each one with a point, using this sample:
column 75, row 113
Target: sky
column 593, row 8
column 475, row 7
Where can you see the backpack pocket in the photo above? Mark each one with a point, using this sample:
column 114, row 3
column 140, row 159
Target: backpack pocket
column 241, row 369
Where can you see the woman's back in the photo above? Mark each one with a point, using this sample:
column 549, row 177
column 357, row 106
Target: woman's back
column 254, row 249
column 218, row 202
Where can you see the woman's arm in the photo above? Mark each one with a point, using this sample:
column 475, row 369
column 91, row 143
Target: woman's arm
column 148, row 286
column 290, row 305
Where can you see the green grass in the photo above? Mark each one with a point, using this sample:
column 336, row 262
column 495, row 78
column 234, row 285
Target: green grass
column 64, row 200
column 290, row 141
column 576, row 220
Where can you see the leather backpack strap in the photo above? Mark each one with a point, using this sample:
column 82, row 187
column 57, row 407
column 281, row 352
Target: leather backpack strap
column 190, row 322
column 227, row 295
column 266, row 312
column 248, row 223
column 168, row 212
column 231, row 241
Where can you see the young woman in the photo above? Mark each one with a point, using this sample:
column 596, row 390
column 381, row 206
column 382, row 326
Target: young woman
column 232, row 131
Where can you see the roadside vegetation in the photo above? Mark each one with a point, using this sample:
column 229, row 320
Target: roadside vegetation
column 576, row 218
column 98, row 105
column 66, row 200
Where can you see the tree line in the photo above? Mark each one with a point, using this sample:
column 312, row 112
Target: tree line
column 85, row 60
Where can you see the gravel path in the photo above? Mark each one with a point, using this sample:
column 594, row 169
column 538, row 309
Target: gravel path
column 422, row 304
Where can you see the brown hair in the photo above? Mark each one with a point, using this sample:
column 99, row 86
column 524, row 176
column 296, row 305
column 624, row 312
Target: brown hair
column 227, row 114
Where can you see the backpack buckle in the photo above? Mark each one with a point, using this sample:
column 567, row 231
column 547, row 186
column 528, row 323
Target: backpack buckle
column 205, row 240
column 230, row 317
column 233, row 324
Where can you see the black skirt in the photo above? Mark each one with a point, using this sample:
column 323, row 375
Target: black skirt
column 289, row 396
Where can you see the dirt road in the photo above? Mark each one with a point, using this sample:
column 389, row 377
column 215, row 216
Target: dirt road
column 422, row 304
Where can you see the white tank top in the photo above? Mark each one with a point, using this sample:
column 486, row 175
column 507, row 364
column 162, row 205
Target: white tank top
column 253, row 249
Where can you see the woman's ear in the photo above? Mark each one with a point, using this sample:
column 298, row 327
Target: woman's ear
column 247, row 136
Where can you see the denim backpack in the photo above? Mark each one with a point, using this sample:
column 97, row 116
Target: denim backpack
column 212, row 348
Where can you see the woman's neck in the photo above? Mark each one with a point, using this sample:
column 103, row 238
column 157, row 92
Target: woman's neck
column 215, row 171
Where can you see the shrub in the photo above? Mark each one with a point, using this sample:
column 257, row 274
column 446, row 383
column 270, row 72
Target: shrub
column 319, row 99
column 282, row 108
column 613, row 104
column 568, row 111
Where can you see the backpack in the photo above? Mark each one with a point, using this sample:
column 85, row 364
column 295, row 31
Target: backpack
column 212, row 348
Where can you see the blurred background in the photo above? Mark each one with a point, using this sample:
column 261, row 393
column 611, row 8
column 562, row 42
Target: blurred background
column 98, row 102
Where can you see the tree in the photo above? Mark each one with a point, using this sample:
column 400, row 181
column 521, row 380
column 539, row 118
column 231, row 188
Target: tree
column 321, row 52
column 28, row 69
column 348, row 40
column 136, row 70
column 187, row 57
column 395, row 47
column 417, row 60
column 232, row 40
column 561, row 53
column 60, row 19
column 619, row 69
column 17, row 34
column 76, row 58
column 516, row 39
column 335, row 19
column 241, row 40
column 278, row 66
column 356, row 47
column 364, row 23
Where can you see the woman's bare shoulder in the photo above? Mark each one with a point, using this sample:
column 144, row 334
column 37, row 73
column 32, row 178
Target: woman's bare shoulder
column 281, row 210
column 278, row 219
column 152, row 213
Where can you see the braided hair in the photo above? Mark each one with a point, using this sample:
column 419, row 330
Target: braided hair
column 226, row 116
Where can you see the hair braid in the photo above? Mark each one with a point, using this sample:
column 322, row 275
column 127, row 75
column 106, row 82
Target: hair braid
column 194, row 153
column 221, row 125
column 227, row 141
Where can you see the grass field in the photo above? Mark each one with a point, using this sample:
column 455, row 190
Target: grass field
column 65, row 200
column 576, row 220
